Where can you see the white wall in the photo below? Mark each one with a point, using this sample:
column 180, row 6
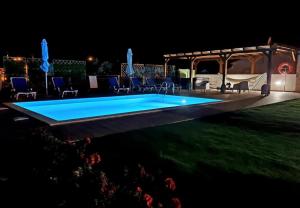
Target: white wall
column 281, row 82
column 298, row 73
column 278, row 82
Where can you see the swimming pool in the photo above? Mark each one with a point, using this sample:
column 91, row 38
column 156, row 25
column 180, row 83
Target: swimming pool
column 84, row 108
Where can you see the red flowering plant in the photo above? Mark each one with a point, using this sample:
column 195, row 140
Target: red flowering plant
column 103, row 186
column 93, row 159
column 87, row 141
column 170, row 184
column 149, row 200
column 138, row 193
column 175, row 201
column 142, row 171
column 103, row 182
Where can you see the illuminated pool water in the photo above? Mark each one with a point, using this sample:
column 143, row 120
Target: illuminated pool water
column 70, row 109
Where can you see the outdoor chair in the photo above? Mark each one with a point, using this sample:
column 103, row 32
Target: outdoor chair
column 241, row 86
column 61, row 88
column 136, row 84
column 236, row 87
column 201, row 84
column 114, row 85
column 20, row 87
column 204, row 85
column 151, row 84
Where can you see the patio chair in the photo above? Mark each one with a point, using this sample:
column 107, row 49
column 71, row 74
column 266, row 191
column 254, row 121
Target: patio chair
column 201, row 84
column 204, row 85
column 137, row 85
column 169, row 84
column 20, row 87
column 151, row 84
column 60, row 87
column 241, row 86
column 114, row 85
column 244, row 85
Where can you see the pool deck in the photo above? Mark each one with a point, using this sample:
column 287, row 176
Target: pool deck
column 232, row 102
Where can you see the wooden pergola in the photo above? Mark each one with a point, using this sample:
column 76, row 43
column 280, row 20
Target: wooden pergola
column 252, row 53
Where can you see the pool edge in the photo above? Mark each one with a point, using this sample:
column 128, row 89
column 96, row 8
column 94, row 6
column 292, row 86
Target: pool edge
column 52, row 122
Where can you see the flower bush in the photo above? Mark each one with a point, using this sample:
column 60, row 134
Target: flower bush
column 82, row 178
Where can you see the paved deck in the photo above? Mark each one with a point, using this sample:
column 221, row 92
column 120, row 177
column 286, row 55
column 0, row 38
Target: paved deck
column 274, row 97
column 232, row 102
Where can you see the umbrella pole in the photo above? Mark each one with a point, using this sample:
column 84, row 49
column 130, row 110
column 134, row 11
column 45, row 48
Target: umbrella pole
column 46, row 84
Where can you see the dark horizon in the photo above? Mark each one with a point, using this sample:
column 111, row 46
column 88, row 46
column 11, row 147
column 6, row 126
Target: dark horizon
column 151, row 31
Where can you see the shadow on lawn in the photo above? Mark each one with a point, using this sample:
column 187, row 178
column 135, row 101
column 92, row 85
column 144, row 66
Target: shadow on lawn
column 214, row 186
column 208, row 185
column 242, row 120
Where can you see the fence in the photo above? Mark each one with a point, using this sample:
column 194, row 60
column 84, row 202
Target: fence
column 74, row 70
column 148, row 70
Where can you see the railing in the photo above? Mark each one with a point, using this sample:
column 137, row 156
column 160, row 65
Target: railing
column 165, row 85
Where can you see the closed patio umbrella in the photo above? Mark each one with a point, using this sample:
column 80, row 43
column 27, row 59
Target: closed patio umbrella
column 129, row 69
column 45, row 65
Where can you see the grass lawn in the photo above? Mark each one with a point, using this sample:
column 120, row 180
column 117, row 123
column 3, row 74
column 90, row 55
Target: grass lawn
column 259, row 146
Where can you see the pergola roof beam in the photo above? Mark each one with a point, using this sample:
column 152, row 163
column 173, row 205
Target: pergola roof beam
column 240, row 51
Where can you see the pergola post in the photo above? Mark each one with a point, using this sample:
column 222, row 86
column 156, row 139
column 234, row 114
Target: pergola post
column 225, row 58
column 166, row 66
column 253, row 65
column 196, row 62
column 253, row 60
column 191, row 72
column 269, row 70
column 221, row 63
column 297, row 72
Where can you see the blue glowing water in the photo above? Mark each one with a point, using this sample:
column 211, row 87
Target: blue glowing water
column 62, row 110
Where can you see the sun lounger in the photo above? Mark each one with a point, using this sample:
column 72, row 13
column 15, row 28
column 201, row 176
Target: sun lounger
column 20, row 87
column 114, row 85
column 60, row 87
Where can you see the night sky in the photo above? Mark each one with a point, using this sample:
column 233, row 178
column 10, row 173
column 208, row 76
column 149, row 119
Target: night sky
column 104, row 30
